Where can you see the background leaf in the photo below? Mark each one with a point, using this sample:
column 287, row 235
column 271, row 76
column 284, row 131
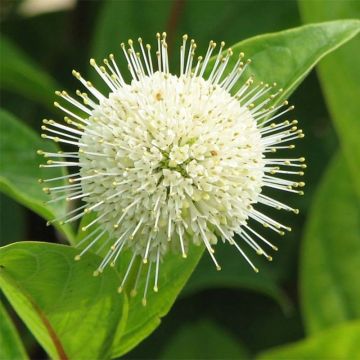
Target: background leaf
column 11, row 346
column 340, row 342
column 19, row 168
column 331, row 253
column 339, row 75
column 71, row 313
column 21, row 75
column 203, row 340
column 297, row 49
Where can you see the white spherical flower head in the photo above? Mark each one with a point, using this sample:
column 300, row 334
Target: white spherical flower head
column 183, row 158
column 171, row 159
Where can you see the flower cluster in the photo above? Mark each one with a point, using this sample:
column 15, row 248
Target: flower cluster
column 167, row 159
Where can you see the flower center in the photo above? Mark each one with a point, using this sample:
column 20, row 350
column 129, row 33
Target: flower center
column 178, row 156
column 176, row 159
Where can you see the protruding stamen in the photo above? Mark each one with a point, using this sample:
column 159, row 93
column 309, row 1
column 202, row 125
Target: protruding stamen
column 127, row 273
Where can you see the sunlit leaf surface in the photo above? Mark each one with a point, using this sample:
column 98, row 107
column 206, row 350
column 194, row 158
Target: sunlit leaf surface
column 20, row 172
column 73, row 314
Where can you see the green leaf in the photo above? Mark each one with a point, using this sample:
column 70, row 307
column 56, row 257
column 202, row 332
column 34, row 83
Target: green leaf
column 286, row 57
column 19, row 168
column 339, row 76
column 330, row 255
column 203, row 340
column 340, row 342
column 143, row 320
column 11, row 345
column 21, row 75
column 73, row 314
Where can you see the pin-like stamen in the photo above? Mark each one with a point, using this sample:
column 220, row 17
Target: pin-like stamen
column 127, row 273
column 144, row 300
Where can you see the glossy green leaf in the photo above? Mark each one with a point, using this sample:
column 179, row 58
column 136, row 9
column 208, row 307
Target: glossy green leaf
column 11, row 346
column 19, row 168
column 203, row 340
column 339, row 76
column 340, row 342
column 330, row 255
column 143, row 320
column 73, row 314
column 21, row 75
column 286, row 57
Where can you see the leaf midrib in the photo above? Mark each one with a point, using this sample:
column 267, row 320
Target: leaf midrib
column 43, row 318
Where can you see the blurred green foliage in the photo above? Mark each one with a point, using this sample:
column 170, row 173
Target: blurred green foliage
column 232, row 314
column 332, row 296
column 339, row 342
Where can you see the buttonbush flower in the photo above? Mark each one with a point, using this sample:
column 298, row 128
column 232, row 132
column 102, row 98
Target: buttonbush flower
column 169, row 159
